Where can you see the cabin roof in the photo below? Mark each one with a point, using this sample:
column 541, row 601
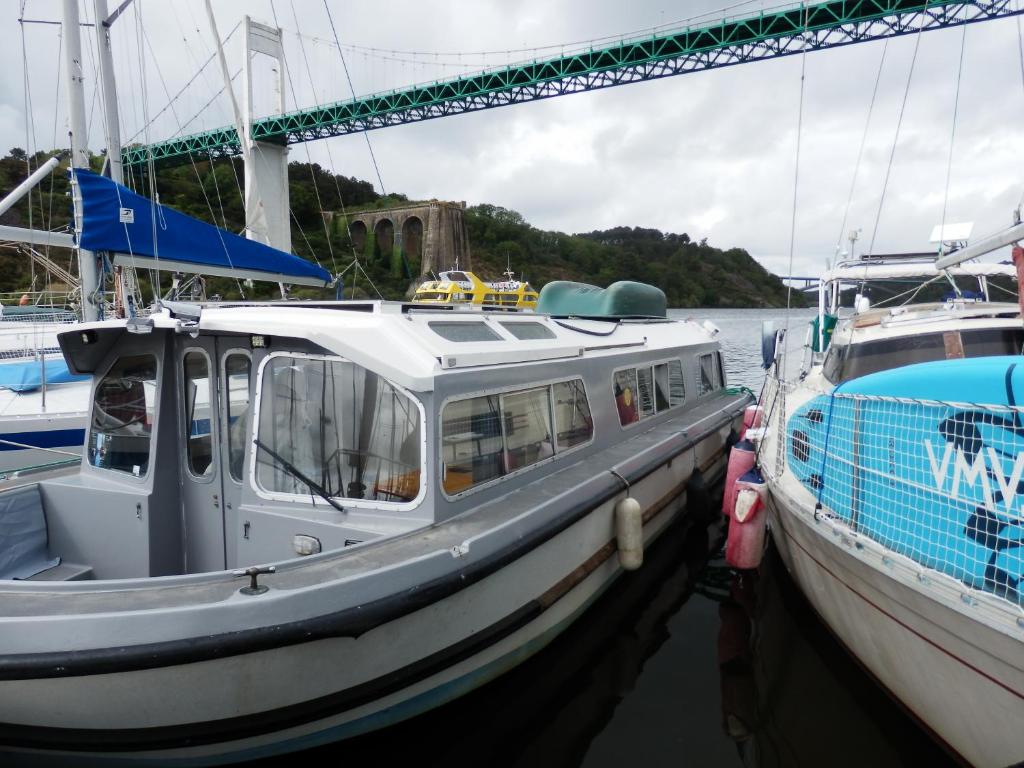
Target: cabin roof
column 413, row 344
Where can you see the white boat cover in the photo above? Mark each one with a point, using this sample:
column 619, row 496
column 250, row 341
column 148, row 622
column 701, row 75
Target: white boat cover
column 896, row 271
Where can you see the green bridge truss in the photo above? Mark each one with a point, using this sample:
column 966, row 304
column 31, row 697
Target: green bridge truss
column 768, row 35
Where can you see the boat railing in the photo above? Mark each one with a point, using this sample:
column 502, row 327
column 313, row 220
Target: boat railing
column 941, row 483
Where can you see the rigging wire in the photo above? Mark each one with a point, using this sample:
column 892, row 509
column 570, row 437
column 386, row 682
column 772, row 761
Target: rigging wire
column 796, row 173
column 860, row 151
column 351, row 88
column 1020, row 50
column 896, row 139
column 305, row 144
column 952, row 140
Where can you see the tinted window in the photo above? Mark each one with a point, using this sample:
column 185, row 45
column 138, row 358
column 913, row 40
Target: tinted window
column 122, row 416
column 676, row 383
column 340, row 425
column 198, row 438
column 645, row 391
column 529, row 330
column 464, row 331
column 236, row 385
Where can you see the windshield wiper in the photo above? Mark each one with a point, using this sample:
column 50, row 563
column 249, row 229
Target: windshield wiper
column 292, row 470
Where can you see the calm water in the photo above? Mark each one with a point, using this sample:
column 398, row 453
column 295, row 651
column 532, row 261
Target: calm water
column 681, row 663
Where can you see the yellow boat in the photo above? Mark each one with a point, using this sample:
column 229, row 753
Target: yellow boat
column 460, row 287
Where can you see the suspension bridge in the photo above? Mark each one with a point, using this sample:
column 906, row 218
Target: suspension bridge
column 728, row 42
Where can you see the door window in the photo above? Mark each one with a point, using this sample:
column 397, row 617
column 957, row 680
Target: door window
column 122, row 416
column 236, row 391
column 198, row 426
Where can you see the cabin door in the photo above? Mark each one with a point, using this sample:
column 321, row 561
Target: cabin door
column 200, row 455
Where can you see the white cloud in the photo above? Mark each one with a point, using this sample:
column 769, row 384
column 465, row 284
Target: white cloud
column 709, row 153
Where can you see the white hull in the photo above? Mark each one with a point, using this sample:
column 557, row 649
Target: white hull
column 286, row 698
column 955, row 666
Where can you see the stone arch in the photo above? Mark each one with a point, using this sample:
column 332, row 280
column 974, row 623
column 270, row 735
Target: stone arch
column 412, row 243
column 384, row 240
column 357, row 233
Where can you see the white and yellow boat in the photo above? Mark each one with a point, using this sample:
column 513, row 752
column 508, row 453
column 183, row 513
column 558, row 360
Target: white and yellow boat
column 461, row 287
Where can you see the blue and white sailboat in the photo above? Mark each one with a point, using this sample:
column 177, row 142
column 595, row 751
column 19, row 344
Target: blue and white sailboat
column 894, row 466
column 43, row 407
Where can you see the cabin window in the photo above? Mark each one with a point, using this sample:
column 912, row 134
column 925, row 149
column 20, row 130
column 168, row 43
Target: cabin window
column 710, row 374
column 528, row 331
column 471, row 442
column 198, row 437
column 486, row 437
column 676, row 383
column 340, row 426
column 123, row 408
column 625, row 396
column 464, row 331
column 644, row 392
column 573, row 423
column 236, row 382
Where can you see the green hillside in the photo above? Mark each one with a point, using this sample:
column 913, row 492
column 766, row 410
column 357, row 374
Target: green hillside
column 691, row 273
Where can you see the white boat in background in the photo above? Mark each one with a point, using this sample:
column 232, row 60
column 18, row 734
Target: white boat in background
column 893, row 465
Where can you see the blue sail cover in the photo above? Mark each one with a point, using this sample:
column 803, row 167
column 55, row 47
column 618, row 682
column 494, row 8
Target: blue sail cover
column 119, row 221
column 27, row 375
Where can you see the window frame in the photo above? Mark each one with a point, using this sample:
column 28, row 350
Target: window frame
column 226, row 406
column 344, row 501
column 183, row 415
column 499, row 392
column 641, row 419
column 717, row 383
column 154, row 427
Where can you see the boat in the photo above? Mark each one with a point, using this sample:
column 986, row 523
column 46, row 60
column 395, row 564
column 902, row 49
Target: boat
column 463, row 287
column 892, row 463
column 299, row 521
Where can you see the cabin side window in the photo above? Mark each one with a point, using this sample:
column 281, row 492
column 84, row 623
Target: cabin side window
column 123, row 410
column 643, row 392
column 710, row 373
column 463, row 331
column 489, row 436
column 340, row 426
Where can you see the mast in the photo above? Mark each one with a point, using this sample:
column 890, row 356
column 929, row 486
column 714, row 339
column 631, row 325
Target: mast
column 79, row 139
column 110, row 108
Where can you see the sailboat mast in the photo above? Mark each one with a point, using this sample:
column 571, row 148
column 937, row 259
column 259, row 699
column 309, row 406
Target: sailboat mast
column 79, row 139
column 110, row 107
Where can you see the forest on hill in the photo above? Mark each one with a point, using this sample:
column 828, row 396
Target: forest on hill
column 692, row 273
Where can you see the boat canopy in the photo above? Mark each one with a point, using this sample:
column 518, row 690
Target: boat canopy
column 861, row 271
column 119, row 221
column 29, row 376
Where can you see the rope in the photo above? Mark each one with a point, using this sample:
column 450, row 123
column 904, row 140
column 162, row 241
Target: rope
column 796, row 180
column 896, row 138
column 353, row 90
column 863, row 141
column 952, row 139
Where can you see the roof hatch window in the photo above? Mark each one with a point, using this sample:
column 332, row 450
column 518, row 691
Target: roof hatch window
column 529, row 331
column 461, row 332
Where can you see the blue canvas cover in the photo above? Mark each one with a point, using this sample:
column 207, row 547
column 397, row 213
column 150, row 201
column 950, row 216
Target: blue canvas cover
column 27, row 376
column 119, row 221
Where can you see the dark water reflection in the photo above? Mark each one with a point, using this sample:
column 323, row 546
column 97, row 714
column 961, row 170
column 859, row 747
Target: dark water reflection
column 680, row 663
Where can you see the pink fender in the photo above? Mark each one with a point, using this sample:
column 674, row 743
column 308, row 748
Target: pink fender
column 741, row 461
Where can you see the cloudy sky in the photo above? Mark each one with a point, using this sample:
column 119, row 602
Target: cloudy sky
column 710, row 153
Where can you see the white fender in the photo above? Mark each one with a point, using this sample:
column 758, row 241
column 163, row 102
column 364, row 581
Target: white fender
column 629, row 533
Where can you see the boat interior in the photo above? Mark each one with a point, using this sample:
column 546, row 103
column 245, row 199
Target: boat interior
column 221, row 437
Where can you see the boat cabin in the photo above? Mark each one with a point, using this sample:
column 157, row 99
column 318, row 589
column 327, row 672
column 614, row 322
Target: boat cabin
column 222, row 436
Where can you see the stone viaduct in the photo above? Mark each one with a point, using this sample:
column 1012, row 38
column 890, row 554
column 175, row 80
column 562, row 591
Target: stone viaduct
column 415, row 239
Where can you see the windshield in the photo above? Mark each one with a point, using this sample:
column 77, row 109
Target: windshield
column 850, row 361
column 342, row 427
column 123, row 408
